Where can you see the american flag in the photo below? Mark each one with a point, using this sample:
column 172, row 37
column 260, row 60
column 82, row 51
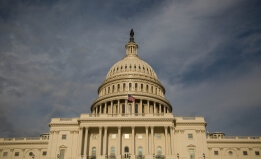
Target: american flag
column 131, row 98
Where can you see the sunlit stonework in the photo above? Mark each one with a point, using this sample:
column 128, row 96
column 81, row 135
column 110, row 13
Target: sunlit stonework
column 130, row 119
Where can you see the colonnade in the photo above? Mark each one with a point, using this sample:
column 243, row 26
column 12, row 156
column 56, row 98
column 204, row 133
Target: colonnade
column 103, row 150
column 123, row 106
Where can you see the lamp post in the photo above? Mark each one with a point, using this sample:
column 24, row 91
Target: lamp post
column 204, row 155
column 178, row 155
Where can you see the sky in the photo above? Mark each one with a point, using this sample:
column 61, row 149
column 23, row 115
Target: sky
column 54, row 54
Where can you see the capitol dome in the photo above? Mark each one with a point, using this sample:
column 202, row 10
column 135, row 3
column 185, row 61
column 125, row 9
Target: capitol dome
column 133, row 77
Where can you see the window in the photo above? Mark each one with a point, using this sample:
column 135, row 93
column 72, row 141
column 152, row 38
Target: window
column 245, row 153
column 113, row 136
column 139, row 136
column 126, row 136
column 63, row 137
column 130, row 86
column 136, row 108
column 159, row 152
column 215, row 152
column 112, row 151
column 191, row 154
column 257, row 153
column 62, row 152
column 123, row 109
column 94, row 152
column 141, row 87
column 190, row 136
column 5, row 154
column 44, row 153
column 230, row 153
column 158, row 135
column 31, row 154
column 140, row 151
column 16, row 153
column 94, row 136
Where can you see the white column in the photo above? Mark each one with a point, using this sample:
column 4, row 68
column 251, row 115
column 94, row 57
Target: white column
column 147, row 140
column 85, row 141
column 106, row 108
column 80, row 142
column 105, row 141
column 154, row 107
column 111, row 107
column 140, row 106
column 148, row 104
column 152, row 139
column 119, row 141
column 133, row 140
column 166, row 140
column 172, row 140
column 159, row 108
column 126, row 106
column 118, row 108
column 164, row 109
column 100, row 141
column 96, row 110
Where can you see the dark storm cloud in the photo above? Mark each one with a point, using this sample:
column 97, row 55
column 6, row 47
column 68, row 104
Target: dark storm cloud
column 55, row 54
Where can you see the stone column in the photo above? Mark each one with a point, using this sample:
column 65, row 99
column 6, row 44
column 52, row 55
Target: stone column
column 147, row 140
column 96, row 109
column 12, row 151
column 159, row 108
column 100, row 141
column 152, row 139
column 164, row 109
column 166, row 140
column 85, row 141
column 106, row 108
column 140, row 106
column 119, row 141
column 154, row 107
column 148, row 104
column 80, row 142
column 126, row 105
column 133, row 140
column 22, row 151
column 172, row 140
column 118, row 108
column 112, row 107
column 105, row 141
column 100, row 108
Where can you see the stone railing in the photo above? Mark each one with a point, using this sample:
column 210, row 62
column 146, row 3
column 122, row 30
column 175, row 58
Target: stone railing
column 23, row 139
column 236, row 137
column 127, row 115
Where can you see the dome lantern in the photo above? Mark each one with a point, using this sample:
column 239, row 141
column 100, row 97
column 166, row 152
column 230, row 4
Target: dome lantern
column 131, row 47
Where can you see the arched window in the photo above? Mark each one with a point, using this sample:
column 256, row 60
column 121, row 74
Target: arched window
column 109, row 90
column 118, row 88
column 130, row 86
column 94, row 152
column 112, row 151
column 151, row 89
column 136, row 108
column 147, row 88
column 126, row 152
column 124, row 86
column 159, row 152
column 136, row 86
column 113, row 88
column 123, row 109
column 191, row 154
column 141, row 87
column 140, row 151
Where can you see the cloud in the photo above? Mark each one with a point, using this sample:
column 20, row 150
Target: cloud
column 55, row 54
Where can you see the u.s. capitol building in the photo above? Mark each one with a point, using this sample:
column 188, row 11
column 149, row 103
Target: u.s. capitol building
column 130, row 119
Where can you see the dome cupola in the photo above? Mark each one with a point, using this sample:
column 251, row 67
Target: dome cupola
column 133, row 77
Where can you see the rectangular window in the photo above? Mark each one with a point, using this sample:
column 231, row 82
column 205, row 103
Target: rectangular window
column 44, row 153
column 63, row 137
column 190, row 136
column 95, row 136
column 139, row 136
column 5, row 154
column 113, row 136
column 62, row 152
column 158, row 135
column 16, row 153
column 257, row 153
column 126, row 136
column 245, row 153
column 215, row 152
